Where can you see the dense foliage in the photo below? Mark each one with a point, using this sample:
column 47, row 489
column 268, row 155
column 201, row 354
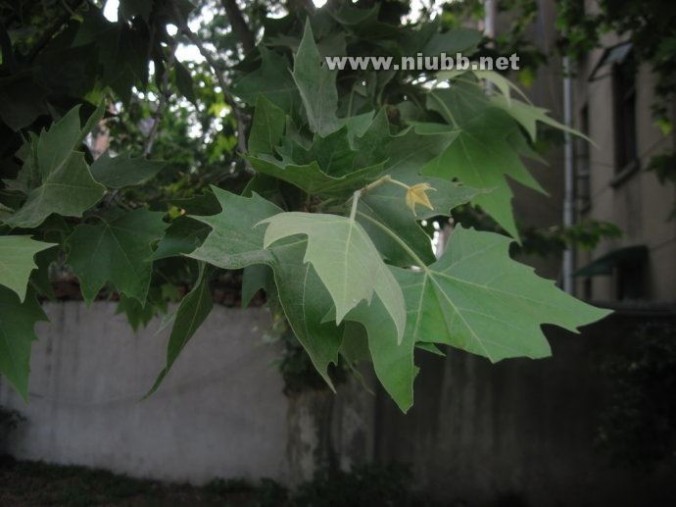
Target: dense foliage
column 315, row 182
column 638, row 422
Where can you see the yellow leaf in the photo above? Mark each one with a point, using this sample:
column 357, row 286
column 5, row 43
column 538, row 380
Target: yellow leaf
column 417, row 194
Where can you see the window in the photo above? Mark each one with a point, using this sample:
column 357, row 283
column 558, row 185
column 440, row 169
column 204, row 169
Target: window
column 631, row 278
column 624, row 77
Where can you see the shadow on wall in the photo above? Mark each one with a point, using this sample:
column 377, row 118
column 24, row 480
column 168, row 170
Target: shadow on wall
column 528, row 428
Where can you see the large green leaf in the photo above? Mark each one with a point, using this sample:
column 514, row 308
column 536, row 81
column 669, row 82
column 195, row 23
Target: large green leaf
column 385, row 205
column 477, row 299
column 17, row 261
column 191, row 313
column 345, row 259
column 183, row 236
column 306, row 302
column 117, row 250
column 123, row 55
column 483, row 156
column 392, row 359
column 271, row 80
column 267, row 128
column 234, row 242
column 317, row 86
column 529, row 116
column 17, row 320
column 312, row 179
column 59, row 179
column 123, row 171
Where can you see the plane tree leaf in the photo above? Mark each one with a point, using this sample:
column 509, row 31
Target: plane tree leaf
column 123, row 171
column 17, row 261
column 183, row 236
column 483, row 156
column 267, row 128
column 393, row 360
column 192, row 312
column 306, row 303
column 57, row 176
column 234, row 241
column 17, row 320
column 529, row 116
column 312, row 179
column 271, row 80
column 345, row 260
column 477, row 299
column 317, row 85
column 383, row 206
column 116, row 250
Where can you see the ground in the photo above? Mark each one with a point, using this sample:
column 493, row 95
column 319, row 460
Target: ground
column 33, row 484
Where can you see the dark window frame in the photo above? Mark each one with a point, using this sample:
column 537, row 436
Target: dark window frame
column 625, row 115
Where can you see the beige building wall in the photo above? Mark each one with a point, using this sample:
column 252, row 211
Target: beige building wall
column 632, row 198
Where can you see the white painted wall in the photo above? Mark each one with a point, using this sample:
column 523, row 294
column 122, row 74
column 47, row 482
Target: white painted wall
column 219, row 413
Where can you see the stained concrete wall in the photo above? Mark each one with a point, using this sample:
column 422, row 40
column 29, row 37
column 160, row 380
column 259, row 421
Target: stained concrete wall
column 477, row 432
column 219, row 413
column 520, row 431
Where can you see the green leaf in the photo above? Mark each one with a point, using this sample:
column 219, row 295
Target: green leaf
column 409, row 150
column 191, row 313
column 17, row 321
column 392, row 360
column 123, row 54
column 184, row 81
column 312, row 179
column 317, row 86
column 123, row 171
column 254, row 278
column 140, row 314
column 482, row 156
column 267, row 128
column 234, row 242
column 183, row 236
column 17, row 261
column 63, row 183
column 271, row 80
column 529, row 116
column 345, row 260
column 385, row 205
column 117, row 250
column 457, row 40
column 477, row 299
column 22, row 99
column 306, row 302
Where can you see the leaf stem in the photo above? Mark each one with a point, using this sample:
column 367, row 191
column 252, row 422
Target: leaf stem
column 355, row 201
column 358, row 193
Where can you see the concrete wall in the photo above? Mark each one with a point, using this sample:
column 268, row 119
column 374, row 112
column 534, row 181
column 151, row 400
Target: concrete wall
column 220, row 411
column 521, row 430
column 477, row 431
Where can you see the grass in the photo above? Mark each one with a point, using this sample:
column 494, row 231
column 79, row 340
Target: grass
column 33, row 484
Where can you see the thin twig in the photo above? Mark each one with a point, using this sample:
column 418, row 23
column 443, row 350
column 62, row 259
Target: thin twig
column 47, row 36
column 161, row 105
column 239, row 25
column 227, row 96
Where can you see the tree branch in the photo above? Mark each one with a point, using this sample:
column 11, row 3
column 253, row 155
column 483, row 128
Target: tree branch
column 163, row 101
column 240, row 118
column 54, row 28
column 239, row 25
column 300, row 5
